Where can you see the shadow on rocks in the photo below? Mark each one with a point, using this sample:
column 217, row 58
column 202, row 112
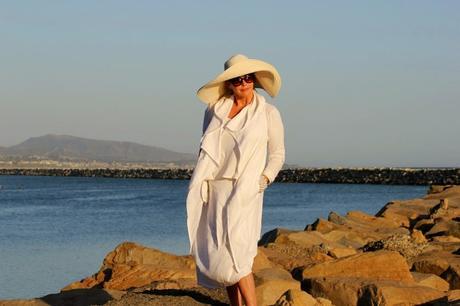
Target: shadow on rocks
column 196, row 295
column 77, row 297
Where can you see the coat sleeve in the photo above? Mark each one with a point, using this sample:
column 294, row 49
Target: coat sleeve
column 276, row 151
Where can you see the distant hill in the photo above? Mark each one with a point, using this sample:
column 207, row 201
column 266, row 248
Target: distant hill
column 66, row 147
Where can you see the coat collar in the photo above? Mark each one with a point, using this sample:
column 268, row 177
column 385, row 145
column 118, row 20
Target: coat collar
column 237, row 124
column 210, row 141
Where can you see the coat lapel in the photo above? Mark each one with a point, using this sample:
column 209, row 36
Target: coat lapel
column 210, row 141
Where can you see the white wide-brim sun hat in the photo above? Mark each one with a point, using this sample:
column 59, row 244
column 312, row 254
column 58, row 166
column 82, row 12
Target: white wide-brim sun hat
column 267, row 78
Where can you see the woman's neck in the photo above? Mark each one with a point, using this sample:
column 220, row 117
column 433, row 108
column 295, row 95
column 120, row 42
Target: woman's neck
column 243, row 101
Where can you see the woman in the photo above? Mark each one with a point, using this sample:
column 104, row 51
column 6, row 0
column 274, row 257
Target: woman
column 225, row 196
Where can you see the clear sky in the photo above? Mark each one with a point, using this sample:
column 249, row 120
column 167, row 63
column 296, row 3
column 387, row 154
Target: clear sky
column 365, row 83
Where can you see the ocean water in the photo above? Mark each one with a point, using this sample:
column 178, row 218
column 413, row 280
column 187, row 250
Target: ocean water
column 57, row 230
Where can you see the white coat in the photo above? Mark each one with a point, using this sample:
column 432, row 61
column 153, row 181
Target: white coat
column 251, row 141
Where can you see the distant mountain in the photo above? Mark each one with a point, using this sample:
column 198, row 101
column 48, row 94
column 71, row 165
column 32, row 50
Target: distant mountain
column 66, row 147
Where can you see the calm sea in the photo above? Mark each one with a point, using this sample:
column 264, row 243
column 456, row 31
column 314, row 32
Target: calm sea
column 57, row 230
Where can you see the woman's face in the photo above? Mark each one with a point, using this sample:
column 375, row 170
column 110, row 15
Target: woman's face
column 244, row 89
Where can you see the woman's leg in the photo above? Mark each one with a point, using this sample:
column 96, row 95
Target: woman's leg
column 234, row 295
column 248, row 289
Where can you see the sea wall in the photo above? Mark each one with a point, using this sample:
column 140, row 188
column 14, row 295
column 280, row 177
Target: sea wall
column 389, row 176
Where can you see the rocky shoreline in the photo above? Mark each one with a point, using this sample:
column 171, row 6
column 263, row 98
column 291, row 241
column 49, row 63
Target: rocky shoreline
column 389, row 176
column 407, row 254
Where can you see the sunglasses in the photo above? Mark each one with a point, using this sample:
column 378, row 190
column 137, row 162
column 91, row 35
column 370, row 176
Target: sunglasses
column 248, row 78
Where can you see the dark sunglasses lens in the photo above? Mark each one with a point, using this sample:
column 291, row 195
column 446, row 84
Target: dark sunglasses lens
column 249, row 78
column 239, row 80
column 236, row 81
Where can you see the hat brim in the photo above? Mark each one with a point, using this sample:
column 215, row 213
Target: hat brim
column 267, row 78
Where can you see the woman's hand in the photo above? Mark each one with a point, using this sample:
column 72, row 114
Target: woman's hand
column 263, row 183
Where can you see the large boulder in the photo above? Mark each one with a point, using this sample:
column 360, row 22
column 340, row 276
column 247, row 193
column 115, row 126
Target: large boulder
column 393, row 293
column 444, row 228
column 407, row 212
column 432, row 262
column 355, row 229
column 261, row 261
column 292, row 249
column 272, row 236
column 132, row 265
column 443, row 192
column 296, row 297
column 339, row 290
column 377, row 265
column 453, row 297
column 431, row 280
column 271, row 283
column 344, row 291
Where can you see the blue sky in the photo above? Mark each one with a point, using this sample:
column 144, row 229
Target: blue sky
column 365, row 83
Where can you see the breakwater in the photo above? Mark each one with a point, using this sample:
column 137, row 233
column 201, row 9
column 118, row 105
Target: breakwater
column 389, row 176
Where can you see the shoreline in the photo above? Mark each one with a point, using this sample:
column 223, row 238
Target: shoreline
column 385, row 176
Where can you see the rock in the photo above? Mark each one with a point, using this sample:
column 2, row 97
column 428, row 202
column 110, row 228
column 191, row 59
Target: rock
column 444, row 228
column 261, row 260
column 324, row 302
column 271, row 283
column 453, row 296
column 322, row 226
column 440, row 246
column 336, row 218
column 392, row 293
column 344, row 291
column 290, row 255
column 418, row 237
column 439, row 210
column 445, row 239
column 452, row 275
column 444, row 192
column 272, row 236
column 341, row 252
column 431, row 280
column 355, row 229
column 423, row 225
column 431, row 263
column 375, row 265
column 438, row 188
column 407, row 212
column 296, row 297
column 397, row 216
column 444, row 204
column 348, row 238
column 339, row 290
column 373, row 221
column 132, row 265
column 310, row 239
column 399, row 243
